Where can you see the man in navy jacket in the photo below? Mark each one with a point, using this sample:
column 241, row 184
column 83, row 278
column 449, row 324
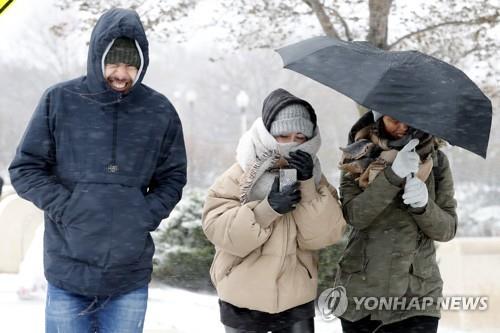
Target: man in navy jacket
column 104, row 157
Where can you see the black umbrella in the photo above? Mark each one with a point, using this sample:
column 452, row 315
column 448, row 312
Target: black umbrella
column 417, row 89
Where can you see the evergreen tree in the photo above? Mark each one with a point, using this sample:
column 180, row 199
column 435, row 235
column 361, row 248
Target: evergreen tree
column 183, row 253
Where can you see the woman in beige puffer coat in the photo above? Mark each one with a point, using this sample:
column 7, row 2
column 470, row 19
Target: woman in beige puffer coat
column 265, row 268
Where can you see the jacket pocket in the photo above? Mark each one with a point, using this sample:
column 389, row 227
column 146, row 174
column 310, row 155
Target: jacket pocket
column 106, row 224
column 86, row 224
column 75, row 194
column 213, row 268
column 148, row 214
column 421, row 267
column 424, row 259
column 132, row 220
column 353, row 259
column 223, row 264
column 351, row 264
column 236, row 262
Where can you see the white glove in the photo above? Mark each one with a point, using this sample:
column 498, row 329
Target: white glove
column 406, row 160
column 415, row 193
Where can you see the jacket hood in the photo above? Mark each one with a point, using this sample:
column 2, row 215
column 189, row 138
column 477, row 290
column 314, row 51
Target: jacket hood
column 365, row 120
column 277, row 100
column 112, row 24
column 368, row 118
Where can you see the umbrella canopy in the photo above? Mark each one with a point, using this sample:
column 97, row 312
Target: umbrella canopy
column 419, row 90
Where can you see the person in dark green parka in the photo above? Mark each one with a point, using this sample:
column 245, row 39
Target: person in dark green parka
column 398, row 197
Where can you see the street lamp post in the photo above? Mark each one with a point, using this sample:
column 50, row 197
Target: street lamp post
column 242, row 101
column 191, row 99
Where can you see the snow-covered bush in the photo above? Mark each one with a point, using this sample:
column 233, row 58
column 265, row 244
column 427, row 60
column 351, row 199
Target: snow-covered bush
column 183, row 253
column 328, row 259
column 478, row 209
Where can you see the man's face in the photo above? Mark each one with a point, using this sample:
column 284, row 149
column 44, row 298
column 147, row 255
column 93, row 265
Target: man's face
column 120, row 76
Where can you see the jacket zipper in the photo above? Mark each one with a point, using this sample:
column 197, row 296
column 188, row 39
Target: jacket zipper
column 113, row 165
column 286, row 221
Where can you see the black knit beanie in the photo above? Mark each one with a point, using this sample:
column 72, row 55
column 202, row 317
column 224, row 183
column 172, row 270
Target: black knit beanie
column 123, row 51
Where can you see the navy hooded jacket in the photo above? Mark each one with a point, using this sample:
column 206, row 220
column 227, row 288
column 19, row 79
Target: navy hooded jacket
column 106, row 168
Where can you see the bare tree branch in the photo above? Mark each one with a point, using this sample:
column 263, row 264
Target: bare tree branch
column 347, row 31
column 323, row 18
column 478, row 20
column 138, row 5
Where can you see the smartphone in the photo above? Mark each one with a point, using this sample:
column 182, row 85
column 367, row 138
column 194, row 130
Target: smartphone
column 287, row 177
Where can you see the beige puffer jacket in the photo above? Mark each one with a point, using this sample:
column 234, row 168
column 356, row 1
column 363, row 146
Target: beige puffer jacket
column 264, row 260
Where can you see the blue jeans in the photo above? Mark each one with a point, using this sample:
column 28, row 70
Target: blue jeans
column 66, row 312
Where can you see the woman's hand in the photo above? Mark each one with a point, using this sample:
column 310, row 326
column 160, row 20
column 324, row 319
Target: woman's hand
column 285, row 201
column 415, row 193
column 303, row 162
column 407, row 160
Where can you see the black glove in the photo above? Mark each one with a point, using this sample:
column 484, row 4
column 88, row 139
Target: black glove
column 303, row 162
column 285, row 201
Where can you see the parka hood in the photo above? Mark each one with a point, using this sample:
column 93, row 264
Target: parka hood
column 112, row 24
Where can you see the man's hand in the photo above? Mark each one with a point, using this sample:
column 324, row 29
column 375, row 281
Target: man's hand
column 407, row 160
column 303, row 162
column 285, row 201
column 415, row 193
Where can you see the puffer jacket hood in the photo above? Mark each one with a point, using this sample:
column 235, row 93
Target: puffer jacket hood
column 277, row 100
column 112, row 24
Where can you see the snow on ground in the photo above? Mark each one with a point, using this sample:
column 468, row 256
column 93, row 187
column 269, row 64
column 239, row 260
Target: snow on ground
column 170, row 310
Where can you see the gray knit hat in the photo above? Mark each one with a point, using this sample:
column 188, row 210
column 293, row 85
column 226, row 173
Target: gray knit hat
column 123, row 51
column 292, row 118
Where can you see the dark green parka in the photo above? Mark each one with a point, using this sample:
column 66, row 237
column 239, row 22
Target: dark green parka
column 391, row 249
